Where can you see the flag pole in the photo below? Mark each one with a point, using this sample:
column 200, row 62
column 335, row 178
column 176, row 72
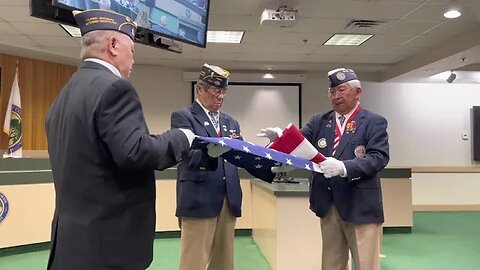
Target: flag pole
column 12, row 125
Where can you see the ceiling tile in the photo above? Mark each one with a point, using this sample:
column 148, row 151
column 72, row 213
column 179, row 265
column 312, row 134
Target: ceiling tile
column 258, row 56
column 294, row 48
column 41, row 29
column 18, row 40
column 299, row 5
column 333, row 50
column 269, row 39
column 407, row 28
column 381, row 44
column 255, row 47
column 315, row 25
column 66, row 51
column 445, row 32
column 427, row 13
column 52, row 42
column 222, row 47
column 407, row 50
column 243, row 7
column 290, row 57
column 232, row 22
column 18, row 14
column 14, row 3
column 354, row 57
column 6, row 28
column 209, row 56
column 271, row 45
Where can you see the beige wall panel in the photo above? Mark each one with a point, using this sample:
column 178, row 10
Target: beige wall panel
column 397, row 202
column 299, row 233
column 29, row 218
column 264, row 224
column 245, row 222
column 165, row 206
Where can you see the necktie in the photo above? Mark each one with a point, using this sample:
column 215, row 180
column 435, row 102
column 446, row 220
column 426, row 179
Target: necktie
column 214, row 118
column 338, row 134
column 341, row 118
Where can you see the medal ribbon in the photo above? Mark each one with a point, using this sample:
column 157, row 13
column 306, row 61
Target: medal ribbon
column 339, row 130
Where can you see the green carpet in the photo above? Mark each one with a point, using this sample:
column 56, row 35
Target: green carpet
column 166, row 257
column 247, row 255
column 440, row 241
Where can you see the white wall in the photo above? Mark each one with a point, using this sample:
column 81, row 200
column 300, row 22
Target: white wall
column 162, row 91
column 426, row 121
column 260, row 106
column 440, row 189
column 314, row 96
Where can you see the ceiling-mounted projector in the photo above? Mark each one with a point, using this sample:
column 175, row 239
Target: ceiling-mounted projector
column 283, row 17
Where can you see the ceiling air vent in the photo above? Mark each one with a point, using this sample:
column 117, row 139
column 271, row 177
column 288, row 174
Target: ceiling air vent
column 364, row 25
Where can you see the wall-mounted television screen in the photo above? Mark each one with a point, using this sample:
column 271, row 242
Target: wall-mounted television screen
column 182, row 20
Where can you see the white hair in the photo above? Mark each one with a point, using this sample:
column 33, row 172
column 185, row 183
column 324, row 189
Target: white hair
column 94, row 43
column 201, row 84
column 355, row 84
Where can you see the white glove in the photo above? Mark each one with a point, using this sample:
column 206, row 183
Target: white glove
column 283, row 168
column 189, row 134
column 215, row 150
column 333, row 167
column 271, row 133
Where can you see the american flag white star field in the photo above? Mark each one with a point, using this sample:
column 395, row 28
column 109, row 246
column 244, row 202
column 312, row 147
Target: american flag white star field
column 247, row 155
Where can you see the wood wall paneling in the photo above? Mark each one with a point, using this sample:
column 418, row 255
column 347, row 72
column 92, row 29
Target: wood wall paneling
column 39, row 83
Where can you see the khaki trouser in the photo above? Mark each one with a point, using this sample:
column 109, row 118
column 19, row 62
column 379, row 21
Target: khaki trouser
column 208, row 242
column 363, row 241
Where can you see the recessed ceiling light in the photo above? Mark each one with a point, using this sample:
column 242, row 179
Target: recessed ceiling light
column 452, row 14
column 347, row 39
column 225, row 36
column 72, row 30
column 268, row 76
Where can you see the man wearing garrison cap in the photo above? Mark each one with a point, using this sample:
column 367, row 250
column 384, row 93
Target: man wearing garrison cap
column 347, row 196
column 103, row 157
column 209, row 196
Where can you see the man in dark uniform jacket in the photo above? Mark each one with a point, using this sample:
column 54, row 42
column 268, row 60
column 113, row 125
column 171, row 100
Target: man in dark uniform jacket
column 209, row 196
column 347, row 196
column 103, row 158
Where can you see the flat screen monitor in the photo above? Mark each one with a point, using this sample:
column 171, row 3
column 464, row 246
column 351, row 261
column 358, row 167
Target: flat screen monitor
column 182, row 20
column 476, row 132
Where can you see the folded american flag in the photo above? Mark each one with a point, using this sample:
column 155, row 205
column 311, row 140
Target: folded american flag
column 293, row 142
column 251, row 156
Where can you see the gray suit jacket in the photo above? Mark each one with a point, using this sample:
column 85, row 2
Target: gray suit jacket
column 103, row 162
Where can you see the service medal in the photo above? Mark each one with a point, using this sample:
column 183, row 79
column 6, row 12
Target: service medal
column 360, row 151
column 322, row 143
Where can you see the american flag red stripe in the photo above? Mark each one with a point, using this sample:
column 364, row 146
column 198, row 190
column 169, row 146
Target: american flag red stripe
column 294, row 143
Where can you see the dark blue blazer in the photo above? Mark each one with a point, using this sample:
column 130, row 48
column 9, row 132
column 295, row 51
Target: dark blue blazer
column 358, row 197
column 203, row 182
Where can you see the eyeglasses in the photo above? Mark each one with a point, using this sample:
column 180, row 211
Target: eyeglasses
column 217, row 91
column 342, row 91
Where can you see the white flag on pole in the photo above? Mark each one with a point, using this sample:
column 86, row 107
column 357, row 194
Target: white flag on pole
column 13, row 121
